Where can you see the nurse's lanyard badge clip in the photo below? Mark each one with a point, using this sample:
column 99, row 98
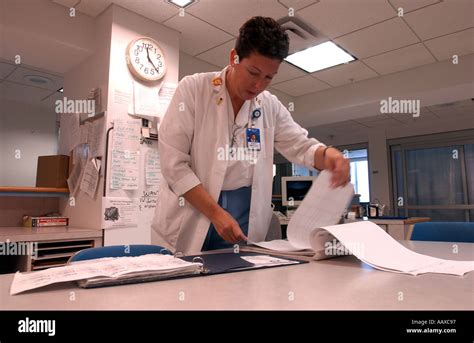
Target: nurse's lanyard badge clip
column 252, row 134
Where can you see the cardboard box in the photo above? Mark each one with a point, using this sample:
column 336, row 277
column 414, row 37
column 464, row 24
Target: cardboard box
column 52, row 171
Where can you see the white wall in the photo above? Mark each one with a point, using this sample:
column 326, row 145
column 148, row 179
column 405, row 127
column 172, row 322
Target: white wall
column 30, row 130
column 189, row 65
column 44, row 34
column 126, row 27
column 93, row 72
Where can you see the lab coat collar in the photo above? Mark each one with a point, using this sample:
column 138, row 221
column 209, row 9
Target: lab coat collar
column 219, row 85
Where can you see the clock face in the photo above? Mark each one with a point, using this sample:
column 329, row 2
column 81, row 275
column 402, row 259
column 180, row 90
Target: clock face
column 145, row 59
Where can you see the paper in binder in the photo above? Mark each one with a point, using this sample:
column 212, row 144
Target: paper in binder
column 113, row 271
column 108, row 271
column 322, row 206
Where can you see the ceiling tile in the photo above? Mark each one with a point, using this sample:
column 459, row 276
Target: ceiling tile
column 287, row 72
column 89, row 7
column 338, row 17
column 196, row 35
column 382, row 124
column 301, row 86
column 464, row 118
column 67, row 3
column 377, row 117
column 297, row 4
column 409, row 118
column 230, row 15
column 188, row 65
column 219, row 55
column 466, row 104
column 342, row 123
column 345, row 73
column 389, row 35
column 21, row 93
column 411, row 5
column 348, row 126
column 443, row 18
column 451, row 113
column 5, row 69
column 350, row 129
column 20, row 73
column 460, row 43
column 401, row 59
column 155, row 10
column 35, row 48
column 450, row 110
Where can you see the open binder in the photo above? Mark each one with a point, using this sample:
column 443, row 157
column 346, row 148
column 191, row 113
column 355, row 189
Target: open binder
column 209, row 264
column 152, row 267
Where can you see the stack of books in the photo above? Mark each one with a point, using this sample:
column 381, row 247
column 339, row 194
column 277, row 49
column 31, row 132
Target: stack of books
column 29, row 221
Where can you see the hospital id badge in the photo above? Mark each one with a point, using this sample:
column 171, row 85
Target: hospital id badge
column 252, row 137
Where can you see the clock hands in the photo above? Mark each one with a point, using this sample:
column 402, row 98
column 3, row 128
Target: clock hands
column 149, row 59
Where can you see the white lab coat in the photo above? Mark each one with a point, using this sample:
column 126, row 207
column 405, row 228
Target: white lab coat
column 195, row 126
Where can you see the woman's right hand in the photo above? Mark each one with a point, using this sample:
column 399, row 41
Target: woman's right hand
column 227, row 227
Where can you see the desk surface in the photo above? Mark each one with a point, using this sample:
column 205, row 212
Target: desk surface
column 342, row 283
column 47, row 233
column 408, row 221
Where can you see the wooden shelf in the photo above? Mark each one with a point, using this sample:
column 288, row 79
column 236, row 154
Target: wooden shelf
column 33, row 191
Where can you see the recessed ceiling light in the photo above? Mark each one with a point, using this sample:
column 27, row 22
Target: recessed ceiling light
column 181, row 3
column 319, row 57
column 37, row 79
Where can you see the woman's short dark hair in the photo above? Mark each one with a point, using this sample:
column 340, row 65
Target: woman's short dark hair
column 263, row 35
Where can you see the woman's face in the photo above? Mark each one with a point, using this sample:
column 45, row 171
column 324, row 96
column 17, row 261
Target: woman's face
column 252, row 74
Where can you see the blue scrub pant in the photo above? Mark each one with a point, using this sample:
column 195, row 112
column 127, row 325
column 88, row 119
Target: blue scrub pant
column 237, row 203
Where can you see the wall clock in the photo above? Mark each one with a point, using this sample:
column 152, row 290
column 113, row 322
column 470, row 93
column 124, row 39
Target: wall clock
column 145, row 59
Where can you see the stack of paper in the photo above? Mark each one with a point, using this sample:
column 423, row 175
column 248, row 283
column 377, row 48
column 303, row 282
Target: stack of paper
column 313, row 235
column 107, row 271
column 322, row 206
column 372, row 245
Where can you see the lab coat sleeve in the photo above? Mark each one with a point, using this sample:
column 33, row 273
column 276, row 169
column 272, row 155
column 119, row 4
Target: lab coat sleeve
column 291, row 140
column 175, row 137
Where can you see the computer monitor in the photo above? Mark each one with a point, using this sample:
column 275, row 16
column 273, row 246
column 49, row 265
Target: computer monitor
column 294, row 189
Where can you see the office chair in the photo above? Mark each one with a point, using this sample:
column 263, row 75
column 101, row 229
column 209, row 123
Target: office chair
column 117, row 251
column 443, row 232
column 274, row 232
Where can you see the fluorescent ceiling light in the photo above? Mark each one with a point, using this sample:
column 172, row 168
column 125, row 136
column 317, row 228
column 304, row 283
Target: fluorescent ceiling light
column 319, row 57
column 181, row 3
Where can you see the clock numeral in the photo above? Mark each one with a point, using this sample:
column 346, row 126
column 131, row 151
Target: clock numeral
column 136, row 52
column 141, row 66
column 146, row 70
column 152, row 71
column 137, row 60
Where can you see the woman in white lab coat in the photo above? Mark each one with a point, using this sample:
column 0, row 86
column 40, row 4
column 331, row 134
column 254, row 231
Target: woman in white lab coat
column 216, row 146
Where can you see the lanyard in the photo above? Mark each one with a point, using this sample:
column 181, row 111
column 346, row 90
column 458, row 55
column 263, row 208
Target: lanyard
column 254, row 115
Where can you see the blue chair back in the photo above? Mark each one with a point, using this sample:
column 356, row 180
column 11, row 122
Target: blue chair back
column 443, row 232
column 118, row 251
